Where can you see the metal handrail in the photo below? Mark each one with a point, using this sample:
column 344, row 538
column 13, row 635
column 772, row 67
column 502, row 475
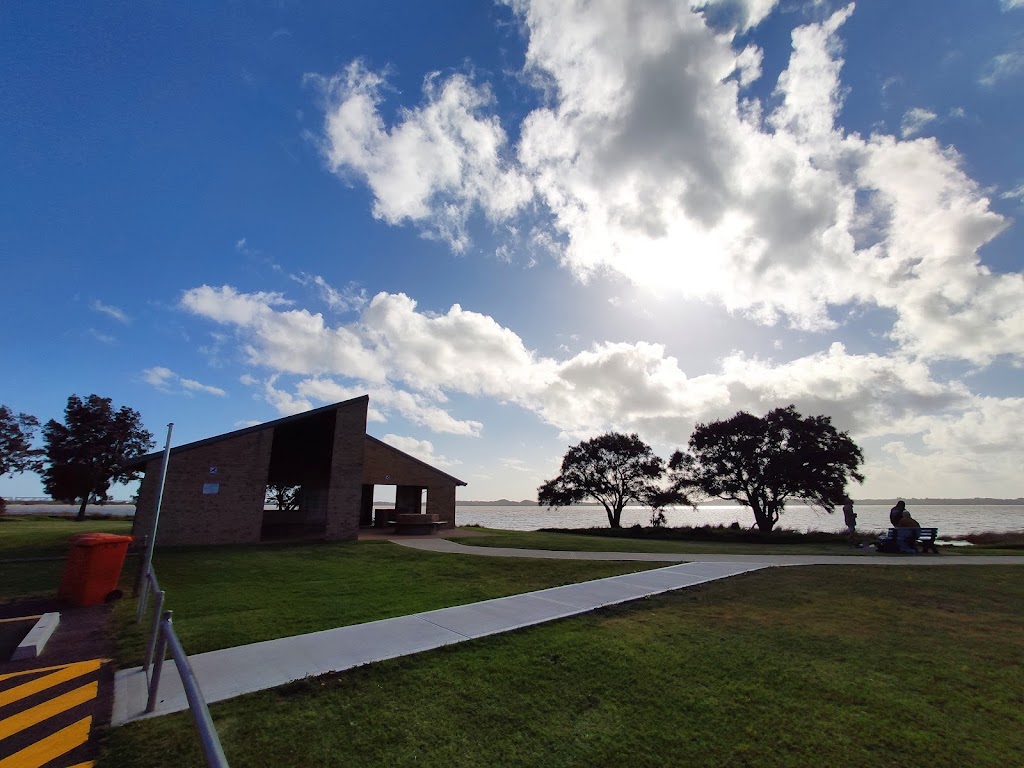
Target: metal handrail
column 212, row 749
column 162, row 635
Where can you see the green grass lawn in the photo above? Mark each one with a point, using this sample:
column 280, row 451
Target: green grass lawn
column 227, row 596
column 608, row 542
column 36, row 536
column 39, row 536
column 820, row 665
column 582, row 542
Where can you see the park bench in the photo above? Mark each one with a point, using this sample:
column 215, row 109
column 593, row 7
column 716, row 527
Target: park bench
column 924, row 536
column 412, row 523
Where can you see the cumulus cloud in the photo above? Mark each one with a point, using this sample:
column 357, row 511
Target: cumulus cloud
column 423, row 357
column 421, row 449
column 439, row 162
column 166, row 380
column 648, row 160
column 627, row 386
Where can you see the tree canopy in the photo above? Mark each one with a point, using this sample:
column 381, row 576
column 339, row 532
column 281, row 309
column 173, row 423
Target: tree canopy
column 89, row 450
column 613, row 469
column 762, row 463
column 16, row 452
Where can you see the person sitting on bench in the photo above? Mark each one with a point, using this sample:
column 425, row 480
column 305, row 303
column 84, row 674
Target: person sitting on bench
column 907, row 530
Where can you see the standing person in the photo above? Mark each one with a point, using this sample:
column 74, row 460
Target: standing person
column 896, row 513
column 850, row 518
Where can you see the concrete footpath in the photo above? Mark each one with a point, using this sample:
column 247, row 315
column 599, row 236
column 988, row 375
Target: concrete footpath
column 232, row 672
column 856, row 556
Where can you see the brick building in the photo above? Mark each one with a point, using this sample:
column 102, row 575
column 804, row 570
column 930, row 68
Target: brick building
column 215, row 488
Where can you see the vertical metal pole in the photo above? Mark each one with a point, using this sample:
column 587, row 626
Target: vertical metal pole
column 148, row 563
column 158, row 662
column 151, row 645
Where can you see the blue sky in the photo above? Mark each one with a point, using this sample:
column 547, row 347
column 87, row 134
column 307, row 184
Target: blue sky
column 517, row 225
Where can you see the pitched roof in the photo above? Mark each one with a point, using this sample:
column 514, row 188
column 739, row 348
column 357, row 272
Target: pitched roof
column 248, row 430
column 431, row 467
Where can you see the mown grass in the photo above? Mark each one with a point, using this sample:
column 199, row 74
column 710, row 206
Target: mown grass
column 599, row 541
column 822, row 665
column 228, row 596
column 31, row 536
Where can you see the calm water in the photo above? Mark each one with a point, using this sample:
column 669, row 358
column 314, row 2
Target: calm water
column 950, row 520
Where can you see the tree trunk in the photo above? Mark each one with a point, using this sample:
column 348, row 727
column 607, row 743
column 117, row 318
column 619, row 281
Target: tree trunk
column 614, row 516
column 763, row 518
column 81, row 509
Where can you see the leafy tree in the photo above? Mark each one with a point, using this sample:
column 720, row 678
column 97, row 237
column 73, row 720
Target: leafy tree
column 762, row 463
column 16, row 452
column 284, row 497
column 89, row 450
column 614, row 469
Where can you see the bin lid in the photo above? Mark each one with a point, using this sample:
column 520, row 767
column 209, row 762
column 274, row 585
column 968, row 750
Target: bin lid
column 96, row 539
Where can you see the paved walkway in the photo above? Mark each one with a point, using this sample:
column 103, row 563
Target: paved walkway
column 856, row 556
column 232, row 672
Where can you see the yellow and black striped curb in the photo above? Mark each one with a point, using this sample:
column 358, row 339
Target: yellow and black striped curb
column 45, row 715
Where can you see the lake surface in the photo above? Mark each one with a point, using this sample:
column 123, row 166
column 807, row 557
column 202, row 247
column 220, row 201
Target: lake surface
column 951, row 520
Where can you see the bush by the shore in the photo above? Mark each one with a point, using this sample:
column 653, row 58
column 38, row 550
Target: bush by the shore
column 736, row 533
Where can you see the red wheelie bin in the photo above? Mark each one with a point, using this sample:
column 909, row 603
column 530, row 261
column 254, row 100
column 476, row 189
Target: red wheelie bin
column 93, row 569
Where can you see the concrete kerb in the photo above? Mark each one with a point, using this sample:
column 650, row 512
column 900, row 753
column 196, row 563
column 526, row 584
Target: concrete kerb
column 34, row 642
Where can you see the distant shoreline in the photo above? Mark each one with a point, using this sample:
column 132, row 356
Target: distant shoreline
column 873, row 502
column 911, row 501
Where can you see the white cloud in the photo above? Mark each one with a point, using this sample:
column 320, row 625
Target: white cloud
column 111, row 311
column 166, row 380
column 351, row 297
column 435, row 166
column 158, row 377
column 421, row 449
column 103, row 338
column 914, row 121
column 1003, row 66
column 191, row 385
column 1014, row 194
column 646, row 160
column 634, row 387
column 1009, row 5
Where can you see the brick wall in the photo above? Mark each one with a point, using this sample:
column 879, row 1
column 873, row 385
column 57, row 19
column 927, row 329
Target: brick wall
column 384, row 465
column 345, row 489
column 232, row 515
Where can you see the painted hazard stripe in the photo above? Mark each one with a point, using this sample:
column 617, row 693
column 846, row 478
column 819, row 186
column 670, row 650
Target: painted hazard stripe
column 62, row 674
column 50, row 748
column 89, row 764
column 37, row 714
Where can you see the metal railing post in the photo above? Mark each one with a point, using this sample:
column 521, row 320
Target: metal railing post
column 155, row 629
column 147, row 560
column 161, row 651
